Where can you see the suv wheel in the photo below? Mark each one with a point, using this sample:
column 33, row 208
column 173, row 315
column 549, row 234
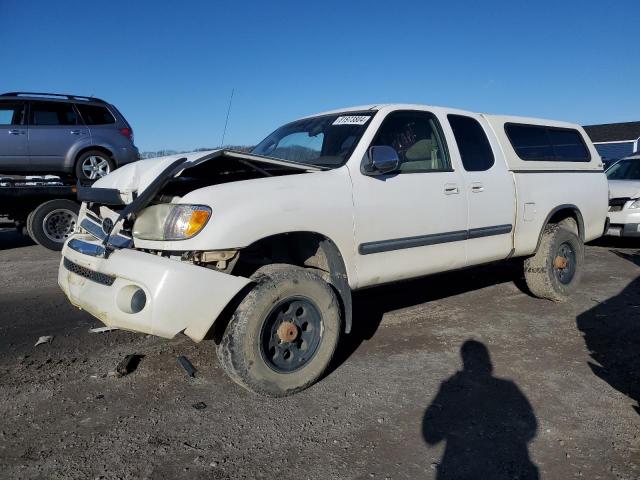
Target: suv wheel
column 283, row 334
column 93, row 165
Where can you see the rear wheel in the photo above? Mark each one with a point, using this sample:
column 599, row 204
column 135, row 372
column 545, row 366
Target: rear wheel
column 555, row 270
column 283, row 334
column 93, row 165
column 52, row 222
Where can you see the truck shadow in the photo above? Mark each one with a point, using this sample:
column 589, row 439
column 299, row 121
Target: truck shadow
column 616, row 242
column 370, row 305
column 10, row 238
column 611, row 332
column 486, row 422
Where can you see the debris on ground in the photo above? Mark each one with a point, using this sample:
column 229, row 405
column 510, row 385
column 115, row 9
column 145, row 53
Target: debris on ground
column 102, row 329
column 186, row 364
column 127, row 365
column 44, row 339
column 199, row 406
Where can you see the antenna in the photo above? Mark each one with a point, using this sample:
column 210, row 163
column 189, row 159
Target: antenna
column 226, row 122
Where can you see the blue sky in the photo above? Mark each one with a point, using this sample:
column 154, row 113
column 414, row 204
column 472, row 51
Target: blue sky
column 170, row 66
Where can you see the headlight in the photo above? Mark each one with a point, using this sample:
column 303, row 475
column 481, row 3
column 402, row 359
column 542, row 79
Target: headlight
column 635, row 204
column 169, row 221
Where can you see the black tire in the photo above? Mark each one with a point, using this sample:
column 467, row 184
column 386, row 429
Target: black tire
column 52, row 222
column 545, row 274
column 245, row 352
column 27, row 225
column 102, row 159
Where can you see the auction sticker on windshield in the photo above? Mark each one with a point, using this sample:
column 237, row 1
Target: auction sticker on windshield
column 352, row 120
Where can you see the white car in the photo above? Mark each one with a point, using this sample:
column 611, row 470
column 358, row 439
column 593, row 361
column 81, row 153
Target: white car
column 261, row 251
column 624, row 197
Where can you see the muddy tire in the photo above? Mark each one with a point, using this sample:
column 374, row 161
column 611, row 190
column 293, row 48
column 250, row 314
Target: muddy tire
column 555, row 270
column 52, row 223
column 284, row 333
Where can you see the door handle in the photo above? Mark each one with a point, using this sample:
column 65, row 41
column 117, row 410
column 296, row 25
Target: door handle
column 15, row 131
column 75, row 132
column 477, row 187
column 451, row 189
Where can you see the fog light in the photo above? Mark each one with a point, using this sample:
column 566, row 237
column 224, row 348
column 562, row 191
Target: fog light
column 138, row 301
column 131, row 299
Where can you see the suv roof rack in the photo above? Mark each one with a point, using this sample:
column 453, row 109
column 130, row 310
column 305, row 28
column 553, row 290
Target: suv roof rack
column 60, row 95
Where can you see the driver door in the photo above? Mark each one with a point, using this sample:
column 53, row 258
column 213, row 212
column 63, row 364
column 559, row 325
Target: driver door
column 413, row 221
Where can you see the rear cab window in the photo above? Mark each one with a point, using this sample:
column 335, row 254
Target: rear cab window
column 475, row 150
column 417, row 138
column 547, row 144
column 52, row 113
column 95, row 114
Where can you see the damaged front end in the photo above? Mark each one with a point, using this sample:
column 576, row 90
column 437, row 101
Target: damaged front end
column 156, row 290
column 111, row 213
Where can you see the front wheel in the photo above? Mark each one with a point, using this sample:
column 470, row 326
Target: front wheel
column 555, row 270
column 283, row 334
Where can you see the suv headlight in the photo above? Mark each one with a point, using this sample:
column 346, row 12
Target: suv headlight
column 169, row 221
column 635, row 204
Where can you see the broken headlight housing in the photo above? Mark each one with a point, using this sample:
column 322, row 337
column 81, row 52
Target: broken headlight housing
column 168, row 221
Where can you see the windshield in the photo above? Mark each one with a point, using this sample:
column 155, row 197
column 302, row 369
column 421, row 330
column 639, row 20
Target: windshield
column 624, row 170
column 325, row 141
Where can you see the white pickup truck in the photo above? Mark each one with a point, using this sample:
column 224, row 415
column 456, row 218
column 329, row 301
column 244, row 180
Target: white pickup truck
column 260, row 251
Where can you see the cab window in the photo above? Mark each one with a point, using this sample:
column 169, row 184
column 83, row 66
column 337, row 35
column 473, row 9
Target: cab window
column 418, row 139
column 473, row 144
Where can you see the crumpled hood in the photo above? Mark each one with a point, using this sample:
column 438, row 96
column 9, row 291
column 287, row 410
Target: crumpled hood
column 624, row 188
column 138, row 175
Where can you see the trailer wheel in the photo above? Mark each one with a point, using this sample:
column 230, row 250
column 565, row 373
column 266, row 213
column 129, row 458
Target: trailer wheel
column 27, row 225
column 52, row 222
column 554, row 271
column 283, row 334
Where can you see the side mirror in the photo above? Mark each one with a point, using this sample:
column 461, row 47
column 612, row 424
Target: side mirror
column 382, row 159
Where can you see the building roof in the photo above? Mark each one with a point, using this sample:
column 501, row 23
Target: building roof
column 614, row 132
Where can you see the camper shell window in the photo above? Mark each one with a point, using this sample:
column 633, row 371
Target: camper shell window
column 547, row 144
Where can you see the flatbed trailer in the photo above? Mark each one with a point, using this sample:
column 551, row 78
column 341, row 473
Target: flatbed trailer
column 45, row 208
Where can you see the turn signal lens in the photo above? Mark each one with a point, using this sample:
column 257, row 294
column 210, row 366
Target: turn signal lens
column 171, row 221
column 185, row 221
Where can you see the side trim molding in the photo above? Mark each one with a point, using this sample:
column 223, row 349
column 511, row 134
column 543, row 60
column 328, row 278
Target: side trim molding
column 489, row 231
column 433, row 239
column 558, row 171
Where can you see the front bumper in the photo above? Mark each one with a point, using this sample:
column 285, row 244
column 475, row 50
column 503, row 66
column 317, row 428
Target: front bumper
column 624, row 223
column 624, row 230
column 179, row 296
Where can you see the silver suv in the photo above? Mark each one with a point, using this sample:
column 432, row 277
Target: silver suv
column 51, row 133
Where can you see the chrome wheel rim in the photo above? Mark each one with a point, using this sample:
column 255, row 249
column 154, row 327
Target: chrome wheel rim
column 58, row 225
column 94, row 167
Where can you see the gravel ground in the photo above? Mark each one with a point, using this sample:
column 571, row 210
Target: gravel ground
column 548, row 390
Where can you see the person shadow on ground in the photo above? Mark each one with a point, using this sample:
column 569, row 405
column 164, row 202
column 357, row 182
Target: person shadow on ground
column 485, row 421
column 611, row 332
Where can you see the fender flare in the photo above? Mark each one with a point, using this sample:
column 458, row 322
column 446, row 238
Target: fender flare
column 339, row 279
column 567, row 206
